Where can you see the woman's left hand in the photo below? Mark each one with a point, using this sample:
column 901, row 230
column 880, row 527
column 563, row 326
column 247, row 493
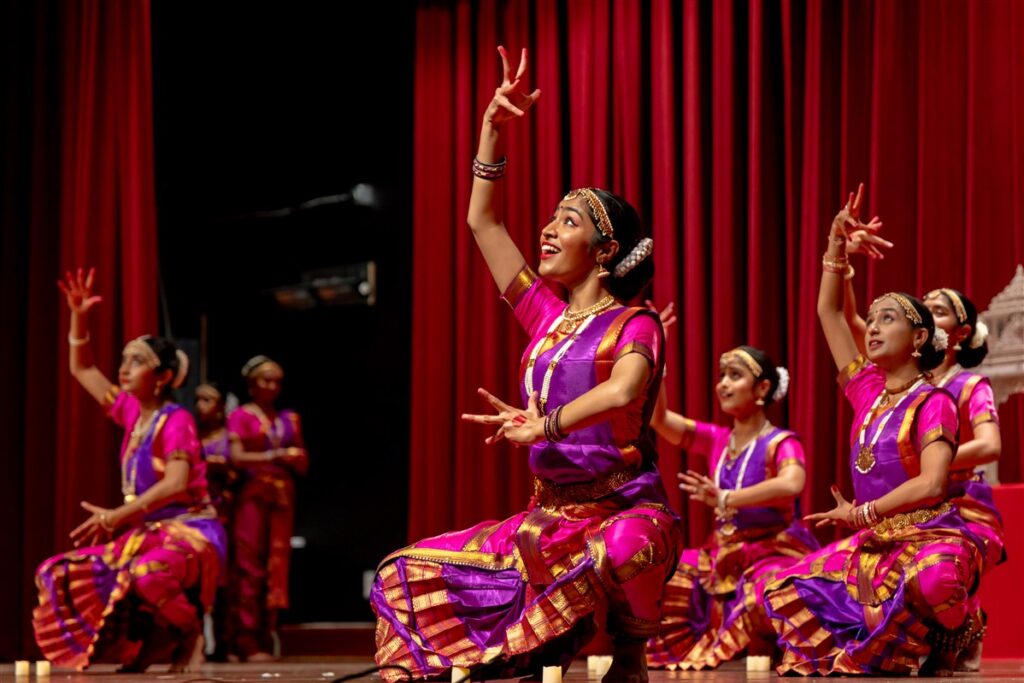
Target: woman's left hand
column 505, row 418
column 99, row 526
column 840, row 514
column 528, row 428
column 699, row 486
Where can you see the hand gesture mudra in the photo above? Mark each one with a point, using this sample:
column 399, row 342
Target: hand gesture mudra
column 699, row 486
column 667, row 314
column 861, row 238
column 840, row 514
column 506, row 418
column 510, row 98
column 77, row 288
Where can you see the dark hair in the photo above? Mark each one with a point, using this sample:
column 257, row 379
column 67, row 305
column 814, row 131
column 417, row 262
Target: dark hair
column 931, row 357
column 966, row 356
column 627, row 230
column 769, row 371
column 167, row 352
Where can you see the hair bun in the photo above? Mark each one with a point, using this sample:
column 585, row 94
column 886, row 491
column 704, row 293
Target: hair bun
column 182, row 375
column 980, row 334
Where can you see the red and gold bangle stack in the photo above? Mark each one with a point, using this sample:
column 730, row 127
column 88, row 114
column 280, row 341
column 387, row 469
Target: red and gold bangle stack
column 837, row 265
column 862, row 516
column 489, row 171
column 552, row 427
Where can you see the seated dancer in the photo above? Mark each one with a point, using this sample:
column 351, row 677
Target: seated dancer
column 894, row 596
column 518, row 594
column 711, row 604
column 137, row 597
column 980, row 441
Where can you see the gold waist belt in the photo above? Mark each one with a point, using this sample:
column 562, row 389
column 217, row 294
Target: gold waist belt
column 904, row 519
column 549, row 494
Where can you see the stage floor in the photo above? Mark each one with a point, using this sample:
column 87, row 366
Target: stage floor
column 326, row 670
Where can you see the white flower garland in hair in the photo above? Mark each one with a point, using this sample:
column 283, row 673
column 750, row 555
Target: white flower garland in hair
column 783, row 387
column 641, row 251
column 980, row 335
column 940, row 340
column 182, row 375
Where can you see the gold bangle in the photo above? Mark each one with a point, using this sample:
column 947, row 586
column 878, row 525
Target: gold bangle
column 78, row 342
column 849, row 272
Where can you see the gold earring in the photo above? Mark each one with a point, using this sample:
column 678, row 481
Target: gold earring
column 602, row 272
column 916, row 353
column 759, row 402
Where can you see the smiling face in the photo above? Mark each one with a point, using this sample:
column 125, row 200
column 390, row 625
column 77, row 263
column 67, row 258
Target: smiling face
column 569, row 250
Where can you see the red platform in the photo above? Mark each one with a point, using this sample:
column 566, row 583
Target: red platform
column 1002, row 589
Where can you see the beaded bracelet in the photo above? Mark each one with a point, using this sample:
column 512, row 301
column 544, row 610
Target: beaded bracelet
column 488, row 171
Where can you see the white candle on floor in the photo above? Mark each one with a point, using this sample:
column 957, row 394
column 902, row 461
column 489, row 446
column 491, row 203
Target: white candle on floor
column 460, row 675
column 552, row 674
column 593, row 663
column 42, row 668
column 21, row 667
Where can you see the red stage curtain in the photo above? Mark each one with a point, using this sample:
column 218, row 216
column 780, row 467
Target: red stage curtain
column 78, row 188
column 735, row 128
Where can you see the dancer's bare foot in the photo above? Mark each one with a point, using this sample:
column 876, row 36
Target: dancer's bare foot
column 157, row 647
column 969, row 659
column 188, row 656
column 629, row 663
column 939, row 665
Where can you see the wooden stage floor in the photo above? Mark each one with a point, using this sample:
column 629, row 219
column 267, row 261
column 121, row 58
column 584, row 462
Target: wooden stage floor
column 326, row 670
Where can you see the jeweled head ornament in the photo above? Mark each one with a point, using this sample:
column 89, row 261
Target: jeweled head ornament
column 604, row 224
column 954, row 298
column 139, row 347
column 741, row 356
column 255, row 363
column 149, row 356
column 209, row 391
column 908, row 308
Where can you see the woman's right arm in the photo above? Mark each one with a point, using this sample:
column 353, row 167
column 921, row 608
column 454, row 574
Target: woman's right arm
column 77, row 290
column 503, row 257
column 832, row 292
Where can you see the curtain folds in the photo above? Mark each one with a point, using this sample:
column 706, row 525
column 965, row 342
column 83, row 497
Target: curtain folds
column 735, row 128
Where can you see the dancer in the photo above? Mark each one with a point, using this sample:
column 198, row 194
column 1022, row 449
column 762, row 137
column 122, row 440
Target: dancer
column 518, row 594
column 980, row 440
column 268, row 449
column 711, row 604
column 896, row 591
column 222, row 478
column 136, row 597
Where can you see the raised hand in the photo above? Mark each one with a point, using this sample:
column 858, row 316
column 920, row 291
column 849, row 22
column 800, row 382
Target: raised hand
column 667, row 314
column 506, row 417
column 77, row 288
column 840, row 514
column 510, row 98
column 862, row 237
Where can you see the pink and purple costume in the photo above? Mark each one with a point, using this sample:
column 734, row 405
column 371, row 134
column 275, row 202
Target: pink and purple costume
column 878, row 600
column 712, row 603
column 90, row 599
column 597, row 531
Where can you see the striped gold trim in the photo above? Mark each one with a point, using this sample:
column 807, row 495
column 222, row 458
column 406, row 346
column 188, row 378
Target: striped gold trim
column 904, row 303
column 958, row 304
column 520, row 284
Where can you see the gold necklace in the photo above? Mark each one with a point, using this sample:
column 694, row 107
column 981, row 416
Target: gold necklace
column 888, row 393
column 138, row 433
column 572, row 318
